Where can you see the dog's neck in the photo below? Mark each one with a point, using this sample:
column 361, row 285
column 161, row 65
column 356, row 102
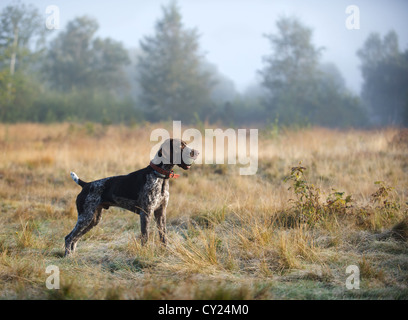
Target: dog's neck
column 167, row 167
column 162, row 170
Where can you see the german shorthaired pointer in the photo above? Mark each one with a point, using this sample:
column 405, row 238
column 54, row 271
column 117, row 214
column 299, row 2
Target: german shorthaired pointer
column 145, row 192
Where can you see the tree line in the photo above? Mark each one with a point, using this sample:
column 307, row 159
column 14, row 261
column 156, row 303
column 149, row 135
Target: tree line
column 78, row 76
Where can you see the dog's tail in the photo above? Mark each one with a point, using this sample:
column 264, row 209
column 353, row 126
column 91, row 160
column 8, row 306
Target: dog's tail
column 77, row 180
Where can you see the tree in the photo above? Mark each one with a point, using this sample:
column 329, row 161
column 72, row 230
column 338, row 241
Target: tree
column 173, row 85
column 290, row 72
column 385, row 72
column 300, row 90
column 336, row 106
column 22, row 36
column 86, row 76
column 76, row 60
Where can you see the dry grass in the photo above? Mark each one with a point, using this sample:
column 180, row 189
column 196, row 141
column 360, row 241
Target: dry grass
column 230, row 236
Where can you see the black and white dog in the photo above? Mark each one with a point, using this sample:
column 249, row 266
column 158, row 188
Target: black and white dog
column 145, row 192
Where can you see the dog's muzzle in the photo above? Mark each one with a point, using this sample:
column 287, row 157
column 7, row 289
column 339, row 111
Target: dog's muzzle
column 189, row 156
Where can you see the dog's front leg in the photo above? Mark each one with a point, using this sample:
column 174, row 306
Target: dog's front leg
column 144, row 225
column 160, row 216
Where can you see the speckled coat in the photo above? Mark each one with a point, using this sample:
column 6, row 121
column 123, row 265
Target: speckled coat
column 145, row 192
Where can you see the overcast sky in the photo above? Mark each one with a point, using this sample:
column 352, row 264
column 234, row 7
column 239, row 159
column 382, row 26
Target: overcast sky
column 232, row 30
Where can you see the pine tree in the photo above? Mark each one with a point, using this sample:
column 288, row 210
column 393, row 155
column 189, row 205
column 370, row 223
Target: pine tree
column 385, row 72
column 301, row 91
column 173, row 84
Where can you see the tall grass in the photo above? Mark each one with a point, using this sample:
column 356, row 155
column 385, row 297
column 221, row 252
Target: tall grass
column 285, row 232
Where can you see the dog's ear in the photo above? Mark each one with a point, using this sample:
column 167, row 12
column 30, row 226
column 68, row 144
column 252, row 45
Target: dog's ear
column 166, row 151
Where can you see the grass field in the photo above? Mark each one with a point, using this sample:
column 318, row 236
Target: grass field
column 230, row 236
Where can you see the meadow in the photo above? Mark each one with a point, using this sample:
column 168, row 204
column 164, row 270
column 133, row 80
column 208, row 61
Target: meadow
column 322, row 200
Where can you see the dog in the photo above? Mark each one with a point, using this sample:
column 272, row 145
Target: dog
column 145, row 192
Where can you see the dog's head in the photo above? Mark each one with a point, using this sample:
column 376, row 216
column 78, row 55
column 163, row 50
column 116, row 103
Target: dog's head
column 176, row 152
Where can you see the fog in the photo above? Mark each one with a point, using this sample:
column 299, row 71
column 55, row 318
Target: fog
column 232, row 30
column 273, row 63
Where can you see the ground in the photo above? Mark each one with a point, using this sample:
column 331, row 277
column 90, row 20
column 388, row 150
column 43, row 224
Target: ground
column 284, row 233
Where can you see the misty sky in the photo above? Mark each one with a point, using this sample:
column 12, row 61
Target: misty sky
column 232, row 30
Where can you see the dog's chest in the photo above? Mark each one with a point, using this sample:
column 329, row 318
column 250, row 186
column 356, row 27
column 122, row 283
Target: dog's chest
column 154, row 193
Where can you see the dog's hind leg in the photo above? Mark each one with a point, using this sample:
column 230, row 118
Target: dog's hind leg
column 86, row 221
